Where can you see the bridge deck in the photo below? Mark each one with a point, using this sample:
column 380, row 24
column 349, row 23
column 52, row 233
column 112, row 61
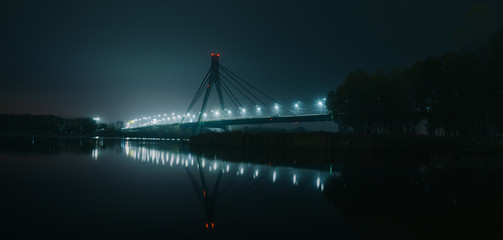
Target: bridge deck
column 276, row 119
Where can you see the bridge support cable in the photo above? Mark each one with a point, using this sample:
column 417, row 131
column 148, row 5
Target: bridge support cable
column 231, row 96
column 239, row 90
column 232, row 75
column 248, row 91
column 227, row 71
column 199, row 92
column 198, row 95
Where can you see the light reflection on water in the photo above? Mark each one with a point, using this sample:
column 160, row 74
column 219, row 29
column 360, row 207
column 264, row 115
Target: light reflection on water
column 221, row 186
column 148, row 153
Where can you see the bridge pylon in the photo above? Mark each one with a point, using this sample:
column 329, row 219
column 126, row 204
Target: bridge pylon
column 226, row 82
column 212, row 79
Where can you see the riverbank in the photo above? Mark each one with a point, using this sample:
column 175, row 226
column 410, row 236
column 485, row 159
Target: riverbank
column 323, row 147
column 313, row 141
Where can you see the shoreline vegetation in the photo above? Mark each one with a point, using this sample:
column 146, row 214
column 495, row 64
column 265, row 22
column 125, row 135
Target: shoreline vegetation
column 320, row 148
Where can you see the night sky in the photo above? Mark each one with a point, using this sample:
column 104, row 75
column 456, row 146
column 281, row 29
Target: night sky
column 125, row 59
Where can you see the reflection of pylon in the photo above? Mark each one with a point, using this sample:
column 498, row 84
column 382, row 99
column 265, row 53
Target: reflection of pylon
column 209, row 199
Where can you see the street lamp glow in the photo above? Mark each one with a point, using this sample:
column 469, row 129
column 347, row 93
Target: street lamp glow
column 217, row 113
column 230, row 112
column 243, row 110
column 96, row 118
column 258, row 109
column 204, row 114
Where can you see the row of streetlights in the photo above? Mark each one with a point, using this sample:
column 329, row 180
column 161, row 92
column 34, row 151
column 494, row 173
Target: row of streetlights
column 156, row 119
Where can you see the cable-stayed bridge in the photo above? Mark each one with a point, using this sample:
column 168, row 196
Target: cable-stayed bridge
column 238, row 102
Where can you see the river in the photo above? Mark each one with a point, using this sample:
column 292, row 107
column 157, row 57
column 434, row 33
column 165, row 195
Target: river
column 160, row 188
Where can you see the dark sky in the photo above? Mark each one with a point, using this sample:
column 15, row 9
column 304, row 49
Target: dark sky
column 125, row 59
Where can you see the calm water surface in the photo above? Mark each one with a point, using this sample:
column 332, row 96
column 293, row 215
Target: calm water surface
column 137, row 188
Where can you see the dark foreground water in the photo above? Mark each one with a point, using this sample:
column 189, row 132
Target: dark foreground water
column 137, row 188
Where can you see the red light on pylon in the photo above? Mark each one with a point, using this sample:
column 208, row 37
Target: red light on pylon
column 212, row 225
column 218, row 54
column 208, row 85
column 206, row 225
column 204, row 193
column 212, row 54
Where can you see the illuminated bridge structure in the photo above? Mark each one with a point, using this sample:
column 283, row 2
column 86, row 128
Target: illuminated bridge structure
column 246, row 105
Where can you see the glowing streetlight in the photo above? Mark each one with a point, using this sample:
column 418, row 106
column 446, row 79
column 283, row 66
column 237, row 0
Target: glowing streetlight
column 297, row 108
column 321, row 107
column 276, row 107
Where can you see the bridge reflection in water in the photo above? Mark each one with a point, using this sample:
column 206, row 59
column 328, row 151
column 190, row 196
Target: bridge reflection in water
column 220, row 185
